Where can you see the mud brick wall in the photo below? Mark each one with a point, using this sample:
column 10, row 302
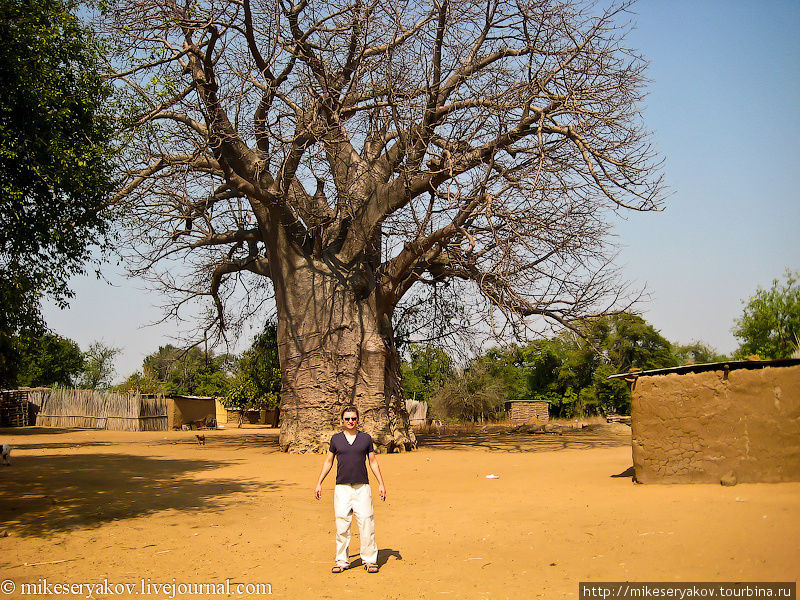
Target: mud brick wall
column 703, row 427
column 529, row 411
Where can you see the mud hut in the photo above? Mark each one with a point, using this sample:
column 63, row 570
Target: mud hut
column 717, row 423
column 192, row 411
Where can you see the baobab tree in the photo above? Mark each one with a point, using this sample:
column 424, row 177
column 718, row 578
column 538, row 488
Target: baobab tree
column 338, row 156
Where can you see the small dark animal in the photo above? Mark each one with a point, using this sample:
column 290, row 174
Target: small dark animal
column 5, row 453
column 201, row 439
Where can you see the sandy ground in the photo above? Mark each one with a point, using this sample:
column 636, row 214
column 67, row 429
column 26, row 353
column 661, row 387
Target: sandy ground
column 82, row 506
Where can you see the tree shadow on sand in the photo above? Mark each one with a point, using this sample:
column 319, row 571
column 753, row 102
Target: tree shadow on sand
column 46, row 494
column 18, row 436
column 266, row 440
column 504, row 441
column 34, row 430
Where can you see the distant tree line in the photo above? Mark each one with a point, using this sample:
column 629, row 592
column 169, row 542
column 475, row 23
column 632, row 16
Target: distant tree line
column 251, row 380
column 49, row 360
column 770, row 324
column 570, row 370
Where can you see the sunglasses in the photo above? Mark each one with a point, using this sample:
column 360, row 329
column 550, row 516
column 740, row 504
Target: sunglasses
column 350, row 418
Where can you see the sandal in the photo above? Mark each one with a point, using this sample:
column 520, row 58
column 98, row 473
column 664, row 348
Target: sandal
column 371, row 568
column 338, row 569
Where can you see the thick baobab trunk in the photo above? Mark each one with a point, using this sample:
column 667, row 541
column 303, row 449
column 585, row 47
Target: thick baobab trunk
column 336, row 349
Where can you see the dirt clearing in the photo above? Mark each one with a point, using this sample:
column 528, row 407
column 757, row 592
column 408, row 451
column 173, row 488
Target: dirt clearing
column 154, row 508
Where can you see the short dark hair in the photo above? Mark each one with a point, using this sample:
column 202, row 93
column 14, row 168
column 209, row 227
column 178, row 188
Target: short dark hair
column 348, row 409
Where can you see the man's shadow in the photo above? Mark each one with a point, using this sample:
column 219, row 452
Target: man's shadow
column 383, row 557
column 385, row 554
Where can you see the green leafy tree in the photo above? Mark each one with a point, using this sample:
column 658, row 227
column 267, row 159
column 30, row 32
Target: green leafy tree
column 506, row 367
column 576, row 376
column 258, row 382
column 543, row 367
column 696, row 353
column 242, row 395
column 607, row 396
column 98, row 369
column 628, row 341
column 427, row 370
column 49, row 360
column 139, row 382
column 19, row 315
column 175, row 368
column 55, row 145
column 625, row 341
column 770, row 324
column 215, row 382
column 571, row 371
column 176, row 371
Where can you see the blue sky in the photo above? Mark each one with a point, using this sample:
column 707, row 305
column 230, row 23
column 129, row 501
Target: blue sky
column 723, row 108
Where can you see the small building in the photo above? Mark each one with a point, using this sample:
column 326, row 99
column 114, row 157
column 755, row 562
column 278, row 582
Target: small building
column 730, row 422
column 254, row 416
column 194, row 411
column 417, row 412
column 15, row 410
column 528, row 411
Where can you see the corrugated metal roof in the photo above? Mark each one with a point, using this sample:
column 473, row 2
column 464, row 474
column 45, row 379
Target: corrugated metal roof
column 729, row 365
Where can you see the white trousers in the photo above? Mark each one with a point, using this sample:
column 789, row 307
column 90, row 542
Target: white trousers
column 347, row 501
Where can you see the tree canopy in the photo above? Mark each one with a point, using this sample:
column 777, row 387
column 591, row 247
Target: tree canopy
column 250, row 380
column 770, row 324
column 188, row 372
column 428, row 369
column 55, row 149
column 49, row 360
column 479, row 141
column 55, row 144
column 98, row 368
column 340, row 156
column 258, row 381
column 192, row 371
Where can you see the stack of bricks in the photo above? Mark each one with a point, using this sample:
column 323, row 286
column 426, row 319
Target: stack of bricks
column 529, row 411
column 14, row 408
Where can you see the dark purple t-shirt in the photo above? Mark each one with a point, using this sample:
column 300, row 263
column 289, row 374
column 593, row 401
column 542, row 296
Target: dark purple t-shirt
column 351, row 465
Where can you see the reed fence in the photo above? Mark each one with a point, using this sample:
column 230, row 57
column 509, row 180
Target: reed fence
column 93, row 409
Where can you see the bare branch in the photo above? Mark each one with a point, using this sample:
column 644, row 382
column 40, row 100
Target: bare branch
column 384, row 146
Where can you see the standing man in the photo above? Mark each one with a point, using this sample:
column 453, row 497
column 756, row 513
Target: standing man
column 352, row 494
